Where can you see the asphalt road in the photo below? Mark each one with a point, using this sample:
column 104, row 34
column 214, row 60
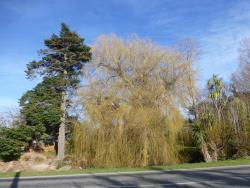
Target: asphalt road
column 213, row 177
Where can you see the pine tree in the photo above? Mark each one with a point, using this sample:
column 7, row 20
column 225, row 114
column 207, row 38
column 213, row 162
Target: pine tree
column 64, row 58
column 41, row 106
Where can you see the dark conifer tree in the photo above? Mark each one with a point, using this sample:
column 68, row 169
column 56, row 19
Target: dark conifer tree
column 63, row 58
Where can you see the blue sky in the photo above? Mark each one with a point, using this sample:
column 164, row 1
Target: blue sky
column 217, row 26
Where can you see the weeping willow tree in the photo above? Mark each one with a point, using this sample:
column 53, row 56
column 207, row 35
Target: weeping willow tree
column 132, row 104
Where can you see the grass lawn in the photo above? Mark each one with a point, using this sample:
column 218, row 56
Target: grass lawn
column 126, row 169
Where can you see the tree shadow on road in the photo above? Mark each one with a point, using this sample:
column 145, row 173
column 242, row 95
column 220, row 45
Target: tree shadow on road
column 15, row 181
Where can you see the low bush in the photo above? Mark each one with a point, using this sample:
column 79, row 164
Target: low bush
column 15, row 140
column 10, row 149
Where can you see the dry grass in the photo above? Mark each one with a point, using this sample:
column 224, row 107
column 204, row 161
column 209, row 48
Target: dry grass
column 33, row 157
column 29, row 161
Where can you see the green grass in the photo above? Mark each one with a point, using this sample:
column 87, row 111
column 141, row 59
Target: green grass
column 126, row 169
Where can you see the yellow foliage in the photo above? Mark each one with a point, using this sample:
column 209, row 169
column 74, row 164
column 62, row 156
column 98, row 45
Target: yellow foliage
column 132, row 104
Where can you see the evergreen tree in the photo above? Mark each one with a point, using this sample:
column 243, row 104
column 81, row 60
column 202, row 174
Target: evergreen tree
column 41, row 106
column 64, row 58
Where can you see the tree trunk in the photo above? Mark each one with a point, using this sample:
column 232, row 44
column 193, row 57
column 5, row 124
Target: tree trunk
column 205, row 153
column 214, row 151
column 61, row 136
column 215, row 155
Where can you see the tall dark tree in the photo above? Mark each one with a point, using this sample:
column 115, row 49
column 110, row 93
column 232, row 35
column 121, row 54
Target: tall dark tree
column 41, row 106
column 64, row 57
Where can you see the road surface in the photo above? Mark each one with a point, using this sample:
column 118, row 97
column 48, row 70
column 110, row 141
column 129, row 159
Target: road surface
column 211, row 177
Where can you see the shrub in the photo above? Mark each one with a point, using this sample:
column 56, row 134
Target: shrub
column 10, row 149
column 15, row 140
column 21, row 134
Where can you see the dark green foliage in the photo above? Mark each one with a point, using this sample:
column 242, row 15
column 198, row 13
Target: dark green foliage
column 64, row 56
column 41, row 105
column 10, row 149
column 21, row 134
column 61, row 65
column 15, row 140
column 63, row 61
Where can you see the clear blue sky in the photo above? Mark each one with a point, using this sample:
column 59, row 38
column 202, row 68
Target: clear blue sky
column 217, row 26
